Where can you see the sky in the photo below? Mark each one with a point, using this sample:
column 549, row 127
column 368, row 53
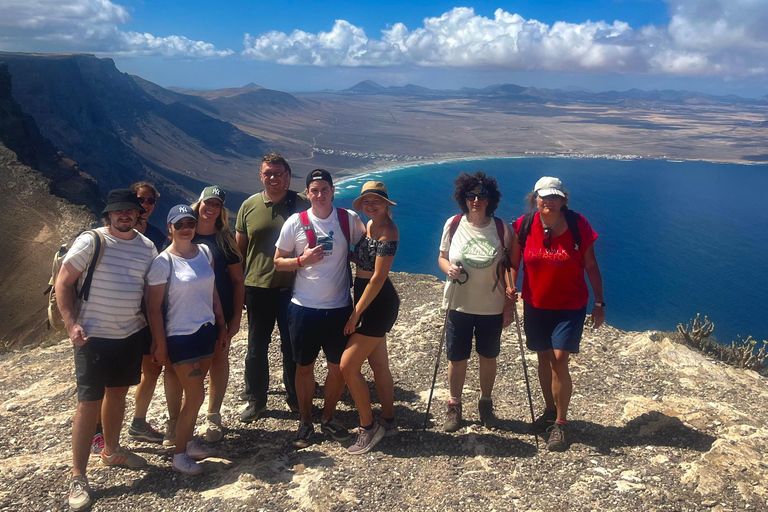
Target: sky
column 713, row 46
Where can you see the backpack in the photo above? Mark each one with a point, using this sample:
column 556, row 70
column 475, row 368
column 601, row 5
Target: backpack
column 55, row 319
column 343, row 217
column 505, row 262
column 571, row 217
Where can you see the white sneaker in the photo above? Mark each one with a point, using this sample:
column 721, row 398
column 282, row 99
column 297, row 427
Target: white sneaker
column 186, row 466
column 198, row 450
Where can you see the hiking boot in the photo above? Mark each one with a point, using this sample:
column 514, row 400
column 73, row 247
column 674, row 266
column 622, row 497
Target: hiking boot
column 546, row 420
column 558, row 438
column 390, row 427
column 334, row 429
column 79, row 493
column 303, row 435
column 123, row 458
column 366, row 440
column 169, row 439
column 197, row 450
column 487, row 417
column 145, row 434
column 252, row 412
column 212, row 428
column 186, row 466
column 452, row 418
column 97, row 444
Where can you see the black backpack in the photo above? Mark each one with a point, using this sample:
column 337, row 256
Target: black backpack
column 571, row 217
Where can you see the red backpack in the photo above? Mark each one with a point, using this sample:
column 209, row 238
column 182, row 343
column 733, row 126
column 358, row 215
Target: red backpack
column 343, row 216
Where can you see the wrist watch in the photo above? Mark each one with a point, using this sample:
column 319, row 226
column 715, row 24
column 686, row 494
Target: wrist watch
column 599, row 304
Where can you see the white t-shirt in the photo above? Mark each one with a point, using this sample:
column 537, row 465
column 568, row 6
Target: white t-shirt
column 113, row 308
column 324, row 285
column 479, row 250
column 190, row 298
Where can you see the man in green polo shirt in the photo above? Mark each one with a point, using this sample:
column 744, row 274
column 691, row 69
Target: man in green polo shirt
column 267, row 292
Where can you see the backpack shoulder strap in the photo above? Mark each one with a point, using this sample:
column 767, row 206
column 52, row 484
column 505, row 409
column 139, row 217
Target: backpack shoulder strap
column 454, row 226
column 98, row 251
column 501, row 233
column 525, row 229
column 290, row 202
column 308, row 229
column 343, row 216
column 572, row 218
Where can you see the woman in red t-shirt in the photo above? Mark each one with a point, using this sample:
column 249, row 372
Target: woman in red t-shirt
column 555, row 295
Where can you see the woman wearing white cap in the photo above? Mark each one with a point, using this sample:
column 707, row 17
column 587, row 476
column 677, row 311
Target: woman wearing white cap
column 556, row 248
column 374, row 314
column 186, row 335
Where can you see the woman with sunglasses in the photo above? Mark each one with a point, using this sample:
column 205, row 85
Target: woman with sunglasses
column 148, row 195
column 556, row 247
column 473, row 252
column 213, row 231
column 187, row 323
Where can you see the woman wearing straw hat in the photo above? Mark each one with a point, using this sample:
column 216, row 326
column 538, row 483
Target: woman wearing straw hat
column 374, row 314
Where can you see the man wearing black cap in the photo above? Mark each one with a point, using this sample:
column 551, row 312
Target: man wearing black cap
column 108, row 331
column 314, row 244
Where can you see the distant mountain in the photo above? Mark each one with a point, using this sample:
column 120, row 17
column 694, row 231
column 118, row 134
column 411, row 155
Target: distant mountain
column 252, row 85
column 364, row 87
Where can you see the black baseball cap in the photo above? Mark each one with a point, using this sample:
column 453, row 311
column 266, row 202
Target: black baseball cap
column 319, row 174
column 122, row 199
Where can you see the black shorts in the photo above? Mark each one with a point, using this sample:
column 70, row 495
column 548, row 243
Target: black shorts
column 106, row 363
column 461, row 327
column 380, row 315
column 558, row 329
column 311, row 329
column 191, row 348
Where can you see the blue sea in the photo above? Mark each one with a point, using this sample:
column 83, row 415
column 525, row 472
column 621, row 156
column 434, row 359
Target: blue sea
column 675, row 238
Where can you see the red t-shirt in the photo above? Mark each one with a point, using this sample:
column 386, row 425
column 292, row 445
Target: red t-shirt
column 554, row 278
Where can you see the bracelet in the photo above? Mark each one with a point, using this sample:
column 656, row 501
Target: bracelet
column 599, row 304
column 298, row 260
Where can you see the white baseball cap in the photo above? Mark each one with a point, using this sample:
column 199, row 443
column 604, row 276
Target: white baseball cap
column 549, row 186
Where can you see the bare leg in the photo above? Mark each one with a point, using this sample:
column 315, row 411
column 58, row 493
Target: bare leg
column 358, row 349
column 487, row 375
column 334, row 386
column 545, row 377
column 219, row 379
column 562, row 385
column 305, row 390
column 382, row 376
column 173, row 391
column 112, row 413
column 191, row 376
column 83, row 429
column 146, row 388
column 457, row 374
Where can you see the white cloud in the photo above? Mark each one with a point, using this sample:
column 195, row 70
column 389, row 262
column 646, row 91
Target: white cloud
column 86, row 26
column 703, row 38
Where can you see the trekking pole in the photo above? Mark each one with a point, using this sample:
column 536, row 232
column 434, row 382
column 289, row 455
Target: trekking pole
column 442, row 339
column 525, row 367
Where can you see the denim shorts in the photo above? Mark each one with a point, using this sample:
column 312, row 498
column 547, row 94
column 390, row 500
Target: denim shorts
column 558, row 329
column 461, row 327
column 191, row 348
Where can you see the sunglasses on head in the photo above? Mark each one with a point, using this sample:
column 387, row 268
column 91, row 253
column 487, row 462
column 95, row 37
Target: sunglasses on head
column 148, row 200
column 187, row 223
column 547, row 242
column 482, row 196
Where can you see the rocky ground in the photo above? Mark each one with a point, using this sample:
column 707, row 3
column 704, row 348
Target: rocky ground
column 654, row 426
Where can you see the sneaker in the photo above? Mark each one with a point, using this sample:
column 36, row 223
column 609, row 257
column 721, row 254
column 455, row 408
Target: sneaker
column 303, row 435
column 252, row 412
column 452, row 418
column 145, row 434
column 558, row 438
column 123, row 458
column 79, row 493
column 186, row 466
column 546, row 420
column 487, row 416
column 212, row 428
column 366, row 440
column 390, row 427
column 97, row 444
column 169, row 439
column 334, row 429
column 197, row 450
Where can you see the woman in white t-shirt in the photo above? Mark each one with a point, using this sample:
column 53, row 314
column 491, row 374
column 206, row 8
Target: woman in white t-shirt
column 473, row 251
column 186, row 335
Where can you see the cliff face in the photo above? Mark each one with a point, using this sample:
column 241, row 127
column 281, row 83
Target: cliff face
column 653, row 427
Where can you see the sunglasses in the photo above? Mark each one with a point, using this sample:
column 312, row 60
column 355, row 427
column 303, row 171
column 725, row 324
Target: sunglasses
column 213, row 204
column 481, row 196
column 547, row 242
column 148, row 200
column 276, row 174
column 181, row 224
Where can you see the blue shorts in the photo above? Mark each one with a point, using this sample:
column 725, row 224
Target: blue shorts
column 460, row 328
column 312, row 329
column 558, row 329
column 191, row 348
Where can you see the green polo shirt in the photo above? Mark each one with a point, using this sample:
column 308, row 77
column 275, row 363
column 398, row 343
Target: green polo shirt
column 261, row 220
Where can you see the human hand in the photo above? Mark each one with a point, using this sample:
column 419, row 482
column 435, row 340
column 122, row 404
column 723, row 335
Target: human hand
column 511, row 294
column 159, row 353
column 223, row 339
column 598, row 316
column 77, row 334
column 354, row 318
column 311, row 256
column 454, row 271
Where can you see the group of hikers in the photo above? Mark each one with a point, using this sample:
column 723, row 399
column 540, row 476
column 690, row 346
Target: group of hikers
column 170, row 303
